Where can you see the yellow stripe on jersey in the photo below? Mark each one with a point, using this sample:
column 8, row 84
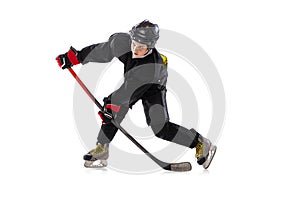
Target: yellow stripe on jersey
column 164, row 59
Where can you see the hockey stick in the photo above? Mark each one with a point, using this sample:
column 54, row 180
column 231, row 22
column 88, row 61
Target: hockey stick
column 180, row 167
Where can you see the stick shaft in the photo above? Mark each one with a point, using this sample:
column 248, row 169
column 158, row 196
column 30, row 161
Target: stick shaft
column 86, row 89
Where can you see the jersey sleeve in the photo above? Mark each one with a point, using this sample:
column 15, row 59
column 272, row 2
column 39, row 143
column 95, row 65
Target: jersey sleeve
column 117, row 45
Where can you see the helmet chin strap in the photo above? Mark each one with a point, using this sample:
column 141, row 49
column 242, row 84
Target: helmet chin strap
column 148, row 50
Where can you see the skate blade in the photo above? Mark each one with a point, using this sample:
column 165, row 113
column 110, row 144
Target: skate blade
column 211, row 155
column 95, row 164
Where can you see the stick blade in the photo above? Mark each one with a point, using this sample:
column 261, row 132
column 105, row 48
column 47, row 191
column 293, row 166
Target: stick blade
column 181, row 167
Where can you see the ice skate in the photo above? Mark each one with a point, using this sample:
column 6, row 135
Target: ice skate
column 205, row 151
column 211, row 154
column 97, row 157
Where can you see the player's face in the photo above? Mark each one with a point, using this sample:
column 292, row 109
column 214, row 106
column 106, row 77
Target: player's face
column 138, row 49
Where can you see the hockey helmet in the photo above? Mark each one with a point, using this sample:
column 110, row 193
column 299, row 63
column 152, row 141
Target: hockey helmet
column 146, row 33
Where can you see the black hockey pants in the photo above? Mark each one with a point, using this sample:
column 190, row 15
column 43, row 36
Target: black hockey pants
column 156, row 112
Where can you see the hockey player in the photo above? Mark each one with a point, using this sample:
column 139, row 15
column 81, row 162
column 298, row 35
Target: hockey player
column 145, row 78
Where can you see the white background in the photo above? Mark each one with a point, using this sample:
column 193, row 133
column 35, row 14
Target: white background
column 255, row 46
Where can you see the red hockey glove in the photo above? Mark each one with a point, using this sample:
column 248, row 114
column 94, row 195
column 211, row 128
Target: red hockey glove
column 68, row 59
